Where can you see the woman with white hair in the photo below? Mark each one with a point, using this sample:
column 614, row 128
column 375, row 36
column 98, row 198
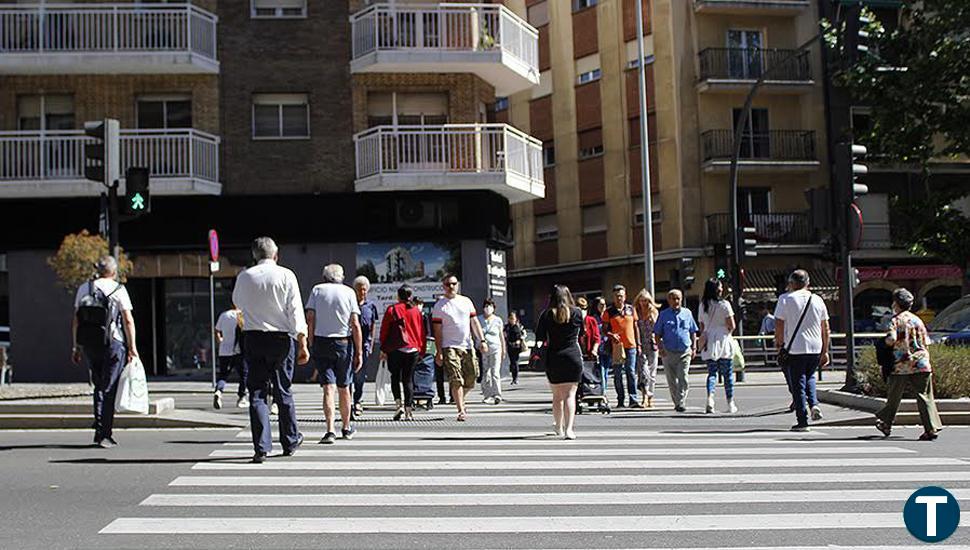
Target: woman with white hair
column 911, row 369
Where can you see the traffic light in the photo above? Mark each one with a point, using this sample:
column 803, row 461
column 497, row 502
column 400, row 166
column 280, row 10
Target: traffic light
column 687, row 272
column 748, row 241
column 102, row 159
column 846, row 167
column 854, row 279
column 858, row 170
column 860, row 24
column 720, row 260
column 138, row 197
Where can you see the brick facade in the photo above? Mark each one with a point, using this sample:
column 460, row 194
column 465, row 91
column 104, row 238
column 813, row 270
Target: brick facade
column 465, row 92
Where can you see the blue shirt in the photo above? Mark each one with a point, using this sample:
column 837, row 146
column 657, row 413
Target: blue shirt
column 674, row 329
column 368, row 316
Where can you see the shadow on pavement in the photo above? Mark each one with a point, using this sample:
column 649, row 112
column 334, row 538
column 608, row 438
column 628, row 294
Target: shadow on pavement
column 49, row 446
column 111, row 461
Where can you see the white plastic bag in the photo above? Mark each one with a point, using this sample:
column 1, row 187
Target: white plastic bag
column 382, row 384
column 132, row 389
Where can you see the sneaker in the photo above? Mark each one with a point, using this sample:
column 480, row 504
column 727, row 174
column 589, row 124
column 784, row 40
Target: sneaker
column 816, row 413
column 499, row 399
column 399, row 413
column 801, row 428
column 928, row 436
column 217, row 400
column 488, row 401
column 274, row 409
column 710, row 404
column 886, row 429
column 570, row 435
column 292, row 450
column 107, row 443
column 635, row 405
column 258, row 458
column 242, row 402
column 348, row 433
column 328, row 438
column 358, row 409
column 408, row 413
column 680, row 408
column 732, row 407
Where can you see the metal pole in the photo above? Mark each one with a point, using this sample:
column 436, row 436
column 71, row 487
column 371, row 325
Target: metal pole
column 645, row 160
column 212, row 324
column 113, row 220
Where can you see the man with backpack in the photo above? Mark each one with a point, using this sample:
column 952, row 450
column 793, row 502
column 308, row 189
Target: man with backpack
column 103, row 330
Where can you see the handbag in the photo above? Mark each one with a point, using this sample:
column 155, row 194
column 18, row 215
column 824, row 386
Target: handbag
column 132, row 389
column 783, row 353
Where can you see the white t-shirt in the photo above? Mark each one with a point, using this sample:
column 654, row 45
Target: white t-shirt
column 117, row 295
column 455, row 315
column 332, row 305
column 227, row 326
column 789, row 310
column 493, row 329
column 718, row 339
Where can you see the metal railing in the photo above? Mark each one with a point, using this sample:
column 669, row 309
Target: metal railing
column 750, row 63
column 769, row 228
column 107, row 28
column 59, row 155
column 452, row 148
column 775, row 145
column 454, row 27
column 760, row 350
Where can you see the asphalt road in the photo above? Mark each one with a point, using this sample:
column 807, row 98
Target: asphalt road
column 633, row 479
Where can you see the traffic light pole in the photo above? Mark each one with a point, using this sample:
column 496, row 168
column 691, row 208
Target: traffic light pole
column 114, row 220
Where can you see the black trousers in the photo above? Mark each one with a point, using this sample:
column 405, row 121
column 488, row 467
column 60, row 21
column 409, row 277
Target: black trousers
column 401, row 365
column 439, row 381
column 271, row 358
column 514, row 353
column 106, row 366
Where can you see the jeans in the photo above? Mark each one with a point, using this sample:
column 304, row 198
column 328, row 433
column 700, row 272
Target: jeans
column 227, row 364
column 359, row 378
column 676, row 369
column 810, row 385
column 922, row 385
column 106, row 367
column 492, row 375
column 271, row 357
column 724, row 367
column 628, row 369
column 605, row 362
column 401, row 366
column 647, row 372
column 801, row 369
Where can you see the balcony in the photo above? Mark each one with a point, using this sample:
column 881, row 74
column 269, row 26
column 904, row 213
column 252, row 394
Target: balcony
column 750, row 7
column 769, row 228
column 488, row 40
column 51, row 164
column 107, row 39
column 727, row 70
column 771, row 151
column 453, row 157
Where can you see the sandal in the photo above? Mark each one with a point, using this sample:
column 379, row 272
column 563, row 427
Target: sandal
column 886, row 429
column 461, row 417
column 929, row 436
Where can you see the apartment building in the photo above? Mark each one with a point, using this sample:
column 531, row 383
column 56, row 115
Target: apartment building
column 701, row 58
column 351, row 131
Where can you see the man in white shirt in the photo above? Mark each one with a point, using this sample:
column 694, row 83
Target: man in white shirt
column 454, row 321
column 333, row 313
column 107, row 340
column 807, row 343
column 230, row 357
column 269, row 297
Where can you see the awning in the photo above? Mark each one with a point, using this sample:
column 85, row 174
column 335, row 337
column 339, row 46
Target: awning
column 762, row 284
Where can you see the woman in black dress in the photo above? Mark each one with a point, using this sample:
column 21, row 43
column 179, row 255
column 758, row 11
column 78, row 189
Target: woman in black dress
column 559, row 328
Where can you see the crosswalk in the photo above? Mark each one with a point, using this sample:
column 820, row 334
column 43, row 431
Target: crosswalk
column 523, row 488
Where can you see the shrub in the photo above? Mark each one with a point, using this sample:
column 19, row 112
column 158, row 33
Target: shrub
column 951, row 371
column 74, row 261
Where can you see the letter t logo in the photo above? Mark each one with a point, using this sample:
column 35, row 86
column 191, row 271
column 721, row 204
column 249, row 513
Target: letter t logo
column 931, row 502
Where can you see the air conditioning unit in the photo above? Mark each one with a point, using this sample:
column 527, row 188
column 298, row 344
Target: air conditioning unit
column 417, row 214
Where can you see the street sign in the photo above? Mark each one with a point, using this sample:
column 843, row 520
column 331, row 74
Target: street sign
column 213, row 245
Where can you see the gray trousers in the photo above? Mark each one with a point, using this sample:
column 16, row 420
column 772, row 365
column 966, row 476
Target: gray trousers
column 676, row 367
column 921, row 384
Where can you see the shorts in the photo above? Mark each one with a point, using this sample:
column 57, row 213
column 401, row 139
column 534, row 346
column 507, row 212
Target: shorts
column 460, row 366
column 332, row 359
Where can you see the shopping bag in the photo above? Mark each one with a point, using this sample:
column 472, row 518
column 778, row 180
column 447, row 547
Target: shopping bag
column 132, row 389
column 737, row 355
column 382, row 384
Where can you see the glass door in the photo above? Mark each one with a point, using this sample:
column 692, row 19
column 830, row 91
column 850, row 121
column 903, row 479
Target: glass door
column 745, row 53
column 756, row 137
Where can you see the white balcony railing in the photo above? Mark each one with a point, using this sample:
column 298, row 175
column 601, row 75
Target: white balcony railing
column 107, row 28
column 446, row 29
column 34, row 156
column 452, row 150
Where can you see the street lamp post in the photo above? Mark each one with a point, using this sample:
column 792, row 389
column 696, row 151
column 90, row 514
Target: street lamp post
column 645, row 160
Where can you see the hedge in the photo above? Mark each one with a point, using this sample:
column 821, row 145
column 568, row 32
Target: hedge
column 951, row 371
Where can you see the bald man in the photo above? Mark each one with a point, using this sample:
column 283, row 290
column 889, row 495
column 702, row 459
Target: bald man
column 677, row 335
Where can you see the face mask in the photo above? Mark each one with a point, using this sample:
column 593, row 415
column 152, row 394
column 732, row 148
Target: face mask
column 489, row 310
column 584, row 313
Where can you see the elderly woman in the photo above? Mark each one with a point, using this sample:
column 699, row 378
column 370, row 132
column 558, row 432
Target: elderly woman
column 909, row 340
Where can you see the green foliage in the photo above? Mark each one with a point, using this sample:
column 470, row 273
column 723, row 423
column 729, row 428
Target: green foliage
column 932, row 226
column 951, row 372
column 74, row 261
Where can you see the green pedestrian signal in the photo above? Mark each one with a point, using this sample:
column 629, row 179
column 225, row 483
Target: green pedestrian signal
column 138, row 193
column 137, row 202
column 721, row 274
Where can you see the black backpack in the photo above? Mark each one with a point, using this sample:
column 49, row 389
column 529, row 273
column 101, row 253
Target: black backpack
column 94, row 317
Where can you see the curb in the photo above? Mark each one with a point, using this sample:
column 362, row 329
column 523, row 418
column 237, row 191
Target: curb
column 952, row 411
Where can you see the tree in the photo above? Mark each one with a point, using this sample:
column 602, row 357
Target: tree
column 74, row 261
column 916, row 80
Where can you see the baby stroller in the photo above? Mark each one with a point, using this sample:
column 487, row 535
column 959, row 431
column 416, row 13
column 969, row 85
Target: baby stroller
column 590, row 391
column 423, row 380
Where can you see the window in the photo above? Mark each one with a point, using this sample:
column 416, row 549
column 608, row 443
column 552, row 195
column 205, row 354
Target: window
column 168, row 111
column 594, row 219
column 590, row 143
column 590, row 152
column 549, row 154
column 278, row 9
column 583, row 4
column 45, row 112
column 407, row 109
column 538, row 14
column 281, row 116
column 655, row 217
column 501, row 104
column 756, row 138
column 547, row 228
column 588, row 76
column 633, row 63
column 753, row 200
column 745, row 54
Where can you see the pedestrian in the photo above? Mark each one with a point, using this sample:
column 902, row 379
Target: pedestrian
column 514, row 343
column 368, row 318
column 767, row 321
column 716, row 320
column 647, row 311
column 590, row 342
column 622, row 330
column 274, row 330
column 403, row 341
column 103, row 331
column 336, row 342
column 605, row 351
column 454, row 322
column 228, row 332
column 676, row 334
column 493, row 329
column 560, row 328
column 801, row 333
column 911, row 368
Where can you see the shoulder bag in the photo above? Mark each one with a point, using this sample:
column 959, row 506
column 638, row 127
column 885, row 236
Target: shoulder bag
column 783, row 353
